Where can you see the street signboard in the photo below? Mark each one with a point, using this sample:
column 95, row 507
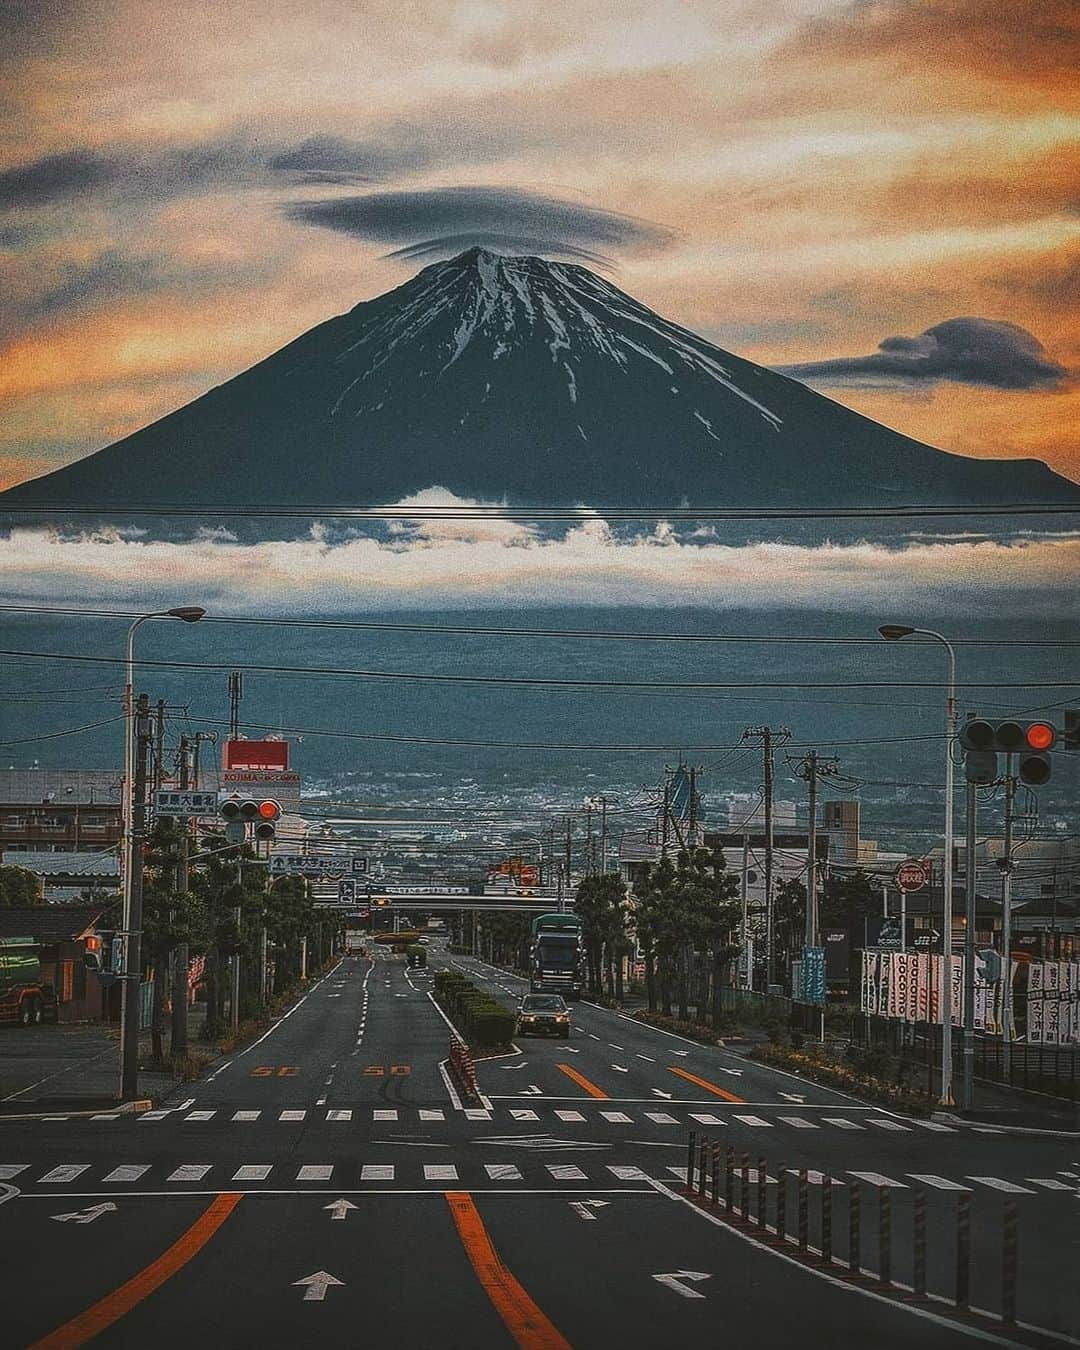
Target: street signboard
column 257, row 755
column 235, row 831
column 911, row 875
column 185, row 802
column 347, row 891
column 330, row 865
column 813, row 975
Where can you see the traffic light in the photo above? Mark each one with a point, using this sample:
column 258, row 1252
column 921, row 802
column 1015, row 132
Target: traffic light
column 1071, row 738
column 1031, row 742
column 260, row 812
column 988, row 965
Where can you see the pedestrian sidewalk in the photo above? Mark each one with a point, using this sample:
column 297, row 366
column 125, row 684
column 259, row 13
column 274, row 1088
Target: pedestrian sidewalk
column 1016, row 1110
column 74, row 1068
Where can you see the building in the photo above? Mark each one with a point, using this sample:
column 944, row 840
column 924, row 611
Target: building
column 67, row 877
column 59, row 932
column 59, row 810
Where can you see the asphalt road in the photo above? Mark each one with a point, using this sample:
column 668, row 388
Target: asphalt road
column 324, row 1186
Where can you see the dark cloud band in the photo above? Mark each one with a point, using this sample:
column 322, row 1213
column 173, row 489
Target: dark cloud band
column 443, row 221
column 965, row 351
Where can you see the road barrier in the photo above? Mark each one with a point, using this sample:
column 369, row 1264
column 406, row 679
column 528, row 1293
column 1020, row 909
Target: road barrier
column 463, row 1067
column 750, row 1209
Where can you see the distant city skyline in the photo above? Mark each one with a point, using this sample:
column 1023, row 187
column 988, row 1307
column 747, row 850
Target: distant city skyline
column 878, row 199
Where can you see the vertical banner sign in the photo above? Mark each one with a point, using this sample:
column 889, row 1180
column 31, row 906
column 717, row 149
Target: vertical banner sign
column 884, row 977
column 868, row 987
column 957, row 991
column 922, row 1002
column 1035, row 995
column 813, row 974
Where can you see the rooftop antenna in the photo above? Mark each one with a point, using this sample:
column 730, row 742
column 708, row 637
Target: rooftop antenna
column 236, row 693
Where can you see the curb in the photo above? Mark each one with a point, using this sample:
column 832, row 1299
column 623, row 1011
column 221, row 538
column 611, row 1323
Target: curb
column 135, row 1108
column 948, row 1118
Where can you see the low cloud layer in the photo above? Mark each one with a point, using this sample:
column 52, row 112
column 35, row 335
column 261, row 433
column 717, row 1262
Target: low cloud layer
column 441, row 221
column 498, row 562
column 963, row 351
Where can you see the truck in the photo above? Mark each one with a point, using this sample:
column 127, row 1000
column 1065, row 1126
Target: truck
column 355, row 942
column 556, row 955
column 24, row 998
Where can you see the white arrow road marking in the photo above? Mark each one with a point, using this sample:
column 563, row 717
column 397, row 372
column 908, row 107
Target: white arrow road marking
column 676, row 1278
column 581, row 1209
column 683, row 1053
column 8, row 1192
column 9, row 1170
column 735, row 1073
column 570, row 1050
column 659, row 1092
column 792, row 1097
column 339, row 1208
column 619, row 1068
column 315, row 1286
column 533, row 1090
column 85, row 1216
column 513, row 1068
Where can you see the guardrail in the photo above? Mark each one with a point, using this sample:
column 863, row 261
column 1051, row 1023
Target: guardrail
column 463, row 1068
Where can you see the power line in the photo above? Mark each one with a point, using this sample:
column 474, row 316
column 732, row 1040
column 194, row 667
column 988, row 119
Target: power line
column 501, row 630
column 581, row 515
column 535, row 681
column 70, row 731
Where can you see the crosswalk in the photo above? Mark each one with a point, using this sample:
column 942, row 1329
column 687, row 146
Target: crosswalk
column 595, row 1115
column 909, row 1181
column 418, row 1173
column 216, row 1175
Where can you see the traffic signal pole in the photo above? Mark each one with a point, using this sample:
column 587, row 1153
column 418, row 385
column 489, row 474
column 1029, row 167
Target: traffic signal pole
column 967, row 1099
column 179, row 1037
column 129, row 1014
column 1006, row 924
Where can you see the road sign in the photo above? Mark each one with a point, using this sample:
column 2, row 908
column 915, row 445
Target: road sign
column 347, row 891
column 359, row 865
column 910, row 875
column 235, row 831
column 185, row 803
column 332, row 865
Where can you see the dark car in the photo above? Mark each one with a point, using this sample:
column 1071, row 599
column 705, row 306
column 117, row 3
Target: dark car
column 544, row 1015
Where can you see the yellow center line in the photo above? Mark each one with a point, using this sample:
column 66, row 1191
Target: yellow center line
column 582, row 1082
column 709, row 1087
column 526, row 1322
column 113, row 1306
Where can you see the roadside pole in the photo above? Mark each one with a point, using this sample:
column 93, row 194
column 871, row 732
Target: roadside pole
column 748, row 974
column 178, row 1040
column 129, row 1058
column 1006, row 924
column 967, row 1098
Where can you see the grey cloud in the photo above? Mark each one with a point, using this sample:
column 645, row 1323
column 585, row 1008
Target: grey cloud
column 332, row 159
column 55, row 177
column 441, row 221
column 965, row 351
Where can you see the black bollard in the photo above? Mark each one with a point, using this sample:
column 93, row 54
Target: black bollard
column 715, row 1173
column 826, row 1220
column 804, row 1210
column 781, row 1202
column 691, row 1150
column 729, row 1180
column 854, row 1227
column 745, row 1192
column 884, row 1236
column 918, row 1283
column 963, row 1250
column 703, row 1156
column 762, row 1197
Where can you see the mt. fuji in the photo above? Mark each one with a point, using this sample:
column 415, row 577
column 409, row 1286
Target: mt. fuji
column 519, row 379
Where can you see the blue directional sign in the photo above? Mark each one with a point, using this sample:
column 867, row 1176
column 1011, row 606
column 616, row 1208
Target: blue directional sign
column 813, row 975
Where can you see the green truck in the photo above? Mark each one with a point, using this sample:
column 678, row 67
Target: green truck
column 23, row 996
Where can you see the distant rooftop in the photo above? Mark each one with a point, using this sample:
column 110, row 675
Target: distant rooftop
column 104, row 866
column 32, row 787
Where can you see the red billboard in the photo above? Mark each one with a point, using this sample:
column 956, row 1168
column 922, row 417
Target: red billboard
column 257, row 755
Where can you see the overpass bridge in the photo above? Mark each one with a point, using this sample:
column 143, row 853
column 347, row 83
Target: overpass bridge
column 440, row 899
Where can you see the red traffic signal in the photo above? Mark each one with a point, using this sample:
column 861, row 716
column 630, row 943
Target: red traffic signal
column 1040, row 736
column 262, row 812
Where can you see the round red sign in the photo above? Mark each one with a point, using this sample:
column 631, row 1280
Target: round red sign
column 911, row 875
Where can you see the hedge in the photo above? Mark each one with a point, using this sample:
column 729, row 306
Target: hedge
column 481, row 1019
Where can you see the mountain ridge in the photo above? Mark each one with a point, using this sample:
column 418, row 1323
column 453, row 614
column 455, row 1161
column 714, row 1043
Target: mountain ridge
column 529, row 381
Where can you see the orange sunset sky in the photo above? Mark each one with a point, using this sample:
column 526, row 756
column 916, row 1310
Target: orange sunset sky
column 820, row 187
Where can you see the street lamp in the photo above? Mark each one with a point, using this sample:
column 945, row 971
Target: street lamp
column 894, row 632
column 132, row 897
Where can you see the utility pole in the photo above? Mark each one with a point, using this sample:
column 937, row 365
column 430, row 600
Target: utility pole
column 178, row 1040
column 159, row 745
column 236, row 693
column 667, row 817
column 1006, row 923
column 590, row 867
column 768, row 739
column 569, row 850
column 809, row 768
column 130, row 1002
column 967, row 1087
column 692, row 829
column 744, row 937
column 603, row 833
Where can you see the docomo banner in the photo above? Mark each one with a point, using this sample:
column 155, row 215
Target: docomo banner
column 257, row 755
column 907, row 986
column 1053, row 1003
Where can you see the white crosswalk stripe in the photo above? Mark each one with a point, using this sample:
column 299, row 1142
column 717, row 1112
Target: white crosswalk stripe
column 502, row 1172
column 1050, row 1183
column 246, row 1116
column 291, row 1116
column 432, row 1115
column 679, row 1172
column 8, row 1171
column 315, row 1172
column 661, row 1118
column 440, row 1172
column 886, row 1124
column 128, row 1172
column 253, row 1172
column 190, row 1172
column 933, row 1125
column 377, row 1172
column 339, row 1115
column 798, row 1122
column 1009, row 1187
column 627, row 1173
column 569, row 1115
column 841, row 1123
column 384, row 1115
column 566, row 1172
column 107, row 1115
column 66, row 1172
column 477, row 1113
column 523, row 1115
column 703, row 1118
column 939, row 1183
column 148, row 1117
column 756, row 1121
column 200, row 1115
column 616, row 1117
column 876, row 1179
column 816, row 1178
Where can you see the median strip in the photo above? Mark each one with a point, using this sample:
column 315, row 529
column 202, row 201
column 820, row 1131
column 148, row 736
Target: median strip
column 524, row 1320
column 704, row 1083
column 113, row 1306
column 582, row 1081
